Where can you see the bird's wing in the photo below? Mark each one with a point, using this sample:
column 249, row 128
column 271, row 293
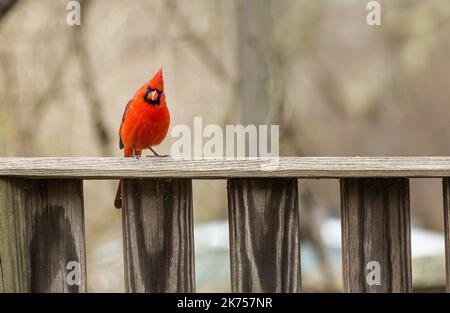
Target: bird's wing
column 121, row 123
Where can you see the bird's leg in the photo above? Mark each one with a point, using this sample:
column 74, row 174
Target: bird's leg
column 156, row 154
column 136, row 154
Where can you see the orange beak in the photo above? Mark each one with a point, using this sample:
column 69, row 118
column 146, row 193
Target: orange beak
column 153, row 95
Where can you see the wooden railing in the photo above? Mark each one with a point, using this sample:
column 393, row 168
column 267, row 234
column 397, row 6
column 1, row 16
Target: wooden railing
column 42, row 220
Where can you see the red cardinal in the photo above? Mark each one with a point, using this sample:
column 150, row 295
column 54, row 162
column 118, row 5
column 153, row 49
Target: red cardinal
column 144, row 123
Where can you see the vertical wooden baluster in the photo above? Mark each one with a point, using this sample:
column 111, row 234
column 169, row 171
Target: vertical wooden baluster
column 376, row 227
column 56, row 237
column 158, row 235
column 42, row 246
column 446, row 191
column 14, row 258
column 264, row 235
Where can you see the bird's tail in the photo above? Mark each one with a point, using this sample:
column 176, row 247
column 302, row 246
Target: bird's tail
column 118, row 199
column 127, row 152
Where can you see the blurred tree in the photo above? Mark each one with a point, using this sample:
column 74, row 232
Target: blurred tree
column 260, row 94
column 254, row 54
column 6, row 5
column 88, row 82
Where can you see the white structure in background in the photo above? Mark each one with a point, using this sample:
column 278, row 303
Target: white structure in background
column 212, row 259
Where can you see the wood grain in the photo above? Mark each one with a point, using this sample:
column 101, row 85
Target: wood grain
column 55, row 232
column 14, row 258
column 264, row 235
column 158, row 235
column 42, row 230
column 446, row 193
column 305, row 167
column 376, row 227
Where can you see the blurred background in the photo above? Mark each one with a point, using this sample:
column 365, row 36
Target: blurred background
column 334, row 84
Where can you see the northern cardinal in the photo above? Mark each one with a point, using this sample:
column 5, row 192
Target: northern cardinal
column 145, row 122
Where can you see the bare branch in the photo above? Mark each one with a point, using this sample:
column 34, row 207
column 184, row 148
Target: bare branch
column 88, row 84
column 6, row 6
column 199, row 45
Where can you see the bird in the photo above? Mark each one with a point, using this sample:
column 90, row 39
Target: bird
column 145, row 122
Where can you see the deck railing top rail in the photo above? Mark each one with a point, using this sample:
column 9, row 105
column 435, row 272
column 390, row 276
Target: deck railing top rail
column 301, row 167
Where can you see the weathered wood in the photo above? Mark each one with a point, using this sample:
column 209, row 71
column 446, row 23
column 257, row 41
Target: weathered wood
column 42, row 231
column 264, row 235
column 376, row 227
column 158, row 235
column 446, row 192
column 303, row 167
column 55, row 232
column 13, row 244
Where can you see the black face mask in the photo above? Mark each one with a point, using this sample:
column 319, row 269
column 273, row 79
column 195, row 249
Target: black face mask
column 150, row 101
